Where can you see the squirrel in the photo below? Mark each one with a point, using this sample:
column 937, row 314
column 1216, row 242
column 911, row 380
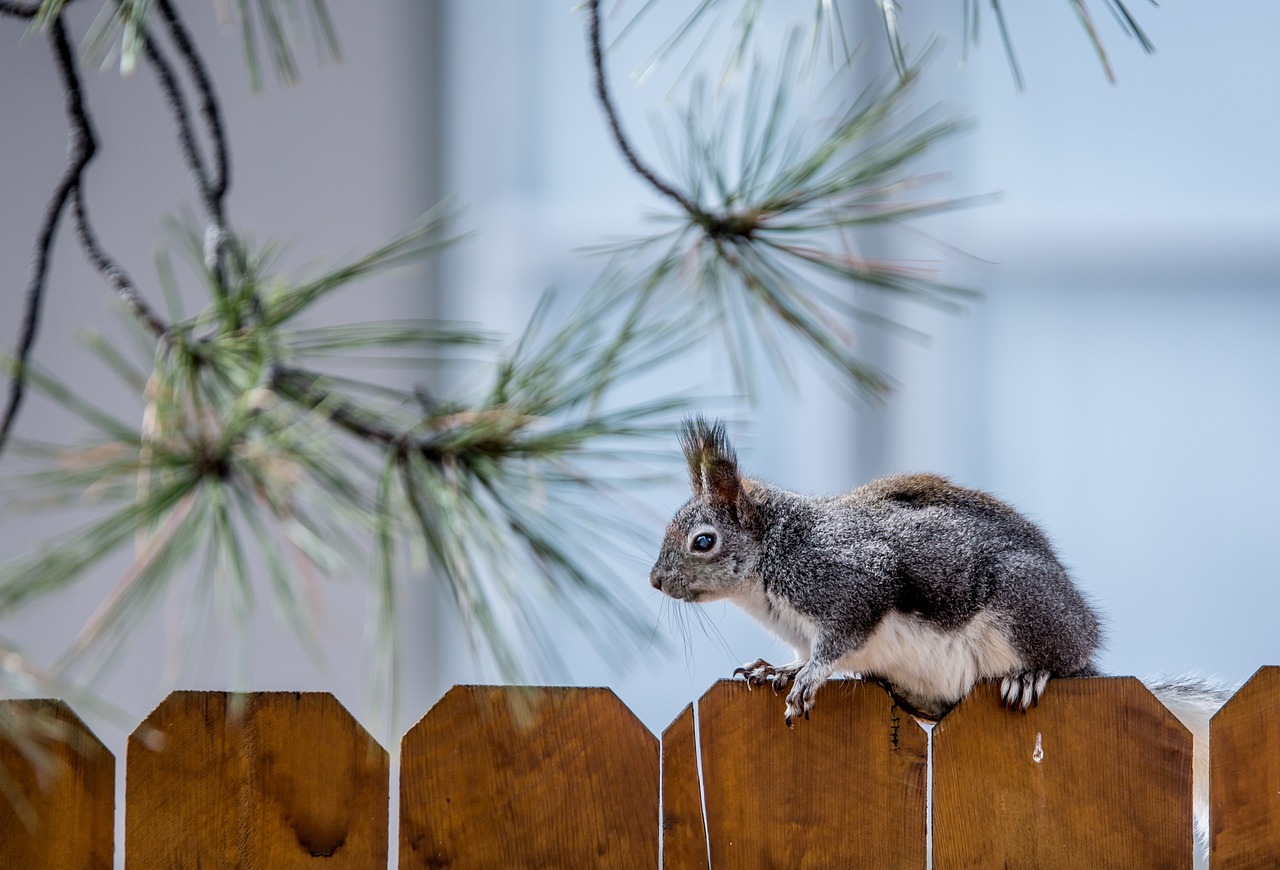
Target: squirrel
column 922, row 585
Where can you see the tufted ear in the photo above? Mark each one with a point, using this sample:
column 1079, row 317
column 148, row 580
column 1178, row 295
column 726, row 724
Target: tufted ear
column 713, row 468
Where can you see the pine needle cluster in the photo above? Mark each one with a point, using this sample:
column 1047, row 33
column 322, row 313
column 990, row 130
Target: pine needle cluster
column 249, row 461
column 772, row 203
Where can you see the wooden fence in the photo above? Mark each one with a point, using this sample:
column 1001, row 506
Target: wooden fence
column 1097, row 776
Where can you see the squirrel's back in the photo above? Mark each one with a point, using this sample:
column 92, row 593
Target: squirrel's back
column 922, row 490
column 963, row 551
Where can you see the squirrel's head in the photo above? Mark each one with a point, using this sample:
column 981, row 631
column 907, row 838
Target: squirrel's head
column 711, row 546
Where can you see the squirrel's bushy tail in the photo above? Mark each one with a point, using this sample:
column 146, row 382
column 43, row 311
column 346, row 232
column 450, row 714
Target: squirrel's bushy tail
column 1194, row 699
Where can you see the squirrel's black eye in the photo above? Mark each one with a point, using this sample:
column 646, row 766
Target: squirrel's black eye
column 703, row 542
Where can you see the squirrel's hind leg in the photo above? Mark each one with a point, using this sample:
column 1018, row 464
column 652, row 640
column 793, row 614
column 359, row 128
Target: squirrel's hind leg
column 1021, row 691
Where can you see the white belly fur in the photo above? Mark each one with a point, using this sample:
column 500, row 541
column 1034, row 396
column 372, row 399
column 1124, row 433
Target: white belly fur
column 778, row 616
column 926, row 662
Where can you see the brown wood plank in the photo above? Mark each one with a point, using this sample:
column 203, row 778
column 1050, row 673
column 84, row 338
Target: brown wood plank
column 1244, row 782
column 271, row 780
column 684, row 837
column 513, row 777
column 844, row 789
column 1099, row 775
column 65, row 816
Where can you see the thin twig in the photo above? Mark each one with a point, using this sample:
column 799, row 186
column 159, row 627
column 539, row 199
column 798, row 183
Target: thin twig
column 176, row 100
column 81, row 146
column 115, row 274
column 213, row 185
column 606, row 102
column 301, row 387
column 209, row 106
column 78, row 115
column 210, row 190
column 18, row 10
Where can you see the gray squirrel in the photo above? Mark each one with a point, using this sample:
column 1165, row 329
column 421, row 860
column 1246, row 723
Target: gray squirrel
column 922, row 585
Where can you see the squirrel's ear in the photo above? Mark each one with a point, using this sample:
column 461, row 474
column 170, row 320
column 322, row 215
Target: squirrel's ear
column 713, row 467
column 713, row 471
column 721, row 484
column 703, row 444
column 724, row 489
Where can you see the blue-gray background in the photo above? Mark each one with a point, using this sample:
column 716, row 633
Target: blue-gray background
column 1118, row 381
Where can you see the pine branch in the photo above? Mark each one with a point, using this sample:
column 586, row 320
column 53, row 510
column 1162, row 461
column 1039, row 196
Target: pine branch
column 112, row 271
column 780, row 200
column 82, row 145
column 615, row 125
column 243, row 439
column 211, row 189
column 209, row 106
column 211, row 184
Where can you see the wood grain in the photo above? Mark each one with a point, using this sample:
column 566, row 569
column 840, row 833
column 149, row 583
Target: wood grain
column 684, row 837
column 271, row 780
column 66, row 816
column 1244, row 782
column 514, row 777
column 844, row 789
column 1099, row 775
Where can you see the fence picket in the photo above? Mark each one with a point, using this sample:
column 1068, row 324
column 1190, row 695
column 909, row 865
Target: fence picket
column 1244, row 784
column 59, row 815
column 267, row 779
column 684, row 837
column 1099, row 775
column 844, row 789
column 516, row 777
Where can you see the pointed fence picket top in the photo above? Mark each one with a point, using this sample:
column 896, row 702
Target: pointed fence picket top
column 59, row 813
column 1098, row 775
column 684, row 834
column 1244, row 785
column 497, row 776
column 846, row 788
column 264, row 779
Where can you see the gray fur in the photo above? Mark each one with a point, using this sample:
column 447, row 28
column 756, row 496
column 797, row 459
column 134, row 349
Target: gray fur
column 826, row 573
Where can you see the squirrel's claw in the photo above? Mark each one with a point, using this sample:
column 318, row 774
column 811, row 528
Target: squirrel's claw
column 1023, row 691
column 760, row 673
column 753, row 672
column 800, row 700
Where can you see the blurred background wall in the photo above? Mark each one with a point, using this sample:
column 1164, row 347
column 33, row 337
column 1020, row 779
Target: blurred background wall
column 1118, row 380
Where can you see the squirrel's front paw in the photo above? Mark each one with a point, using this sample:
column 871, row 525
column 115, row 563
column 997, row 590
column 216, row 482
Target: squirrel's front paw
column 760, row 672
column 1020, row 691
column 800, row 700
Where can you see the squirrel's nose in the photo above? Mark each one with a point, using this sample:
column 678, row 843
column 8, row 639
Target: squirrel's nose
column 655, row 580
